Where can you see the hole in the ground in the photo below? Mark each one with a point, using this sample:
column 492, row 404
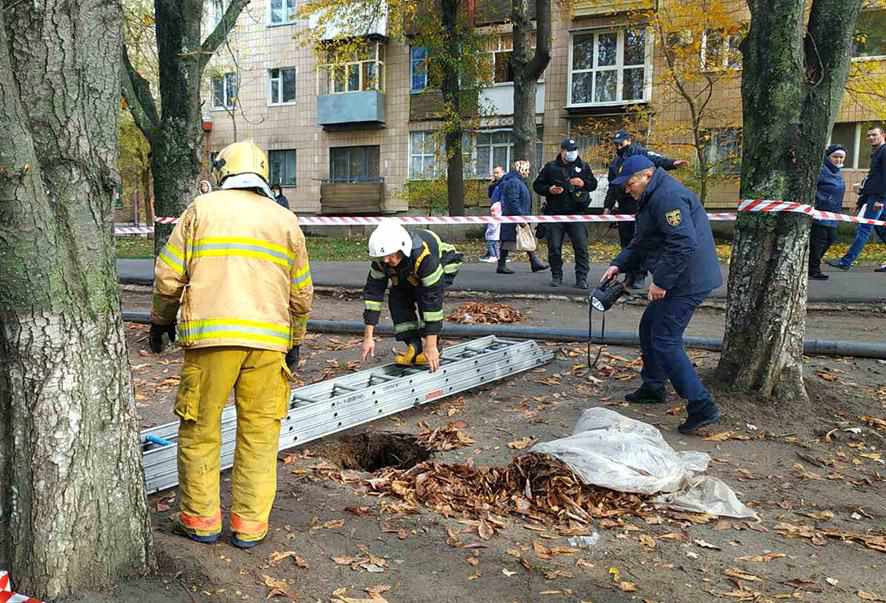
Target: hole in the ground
column 374, row 451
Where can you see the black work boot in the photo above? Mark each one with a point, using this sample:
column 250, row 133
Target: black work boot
column 503, row 263
column 647, row 395
column 556, row 280
column 710, row 416
column 581, row 283
column 535, row 262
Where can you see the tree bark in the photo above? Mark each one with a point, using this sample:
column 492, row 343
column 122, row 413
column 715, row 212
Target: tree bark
column 793, row 79
column 73, row 512
column 176, row 136
column 527, row 69
column 451, row 91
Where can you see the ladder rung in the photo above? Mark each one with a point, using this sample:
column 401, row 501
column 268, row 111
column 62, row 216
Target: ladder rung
column 321, row 416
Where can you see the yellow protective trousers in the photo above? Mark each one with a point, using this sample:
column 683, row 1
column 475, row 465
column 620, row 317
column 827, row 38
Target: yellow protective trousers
column 261, row 391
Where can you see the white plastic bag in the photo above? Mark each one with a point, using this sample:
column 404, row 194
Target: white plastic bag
column 612, row 451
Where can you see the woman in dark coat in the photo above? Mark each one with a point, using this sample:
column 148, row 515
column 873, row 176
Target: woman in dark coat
column 828, row 197
column 515, row 201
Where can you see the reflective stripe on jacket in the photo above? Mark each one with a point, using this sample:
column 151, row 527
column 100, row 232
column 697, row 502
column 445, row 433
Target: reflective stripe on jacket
column 430, row 268
column 234, row 272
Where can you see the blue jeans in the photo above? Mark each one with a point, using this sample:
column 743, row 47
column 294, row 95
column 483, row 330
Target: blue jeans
column 664, row 358
column 864, row 231
column 491, row 249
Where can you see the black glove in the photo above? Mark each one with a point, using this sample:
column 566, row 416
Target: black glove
column 292, row 358
column 155, row 336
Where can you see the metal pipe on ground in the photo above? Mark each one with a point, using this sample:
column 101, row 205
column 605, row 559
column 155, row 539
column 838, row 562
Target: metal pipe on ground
column 817, row 347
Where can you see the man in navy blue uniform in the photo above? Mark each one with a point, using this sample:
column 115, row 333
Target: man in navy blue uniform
column 618, row 201
column 673, row 240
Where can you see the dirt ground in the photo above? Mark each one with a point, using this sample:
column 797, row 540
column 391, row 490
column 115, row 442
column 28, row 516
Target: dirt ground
column 814, row 474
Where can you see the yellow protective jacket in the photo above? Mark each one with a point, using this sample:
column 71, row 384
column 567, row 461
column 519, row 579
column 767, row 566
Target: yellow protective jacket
column 235, row 270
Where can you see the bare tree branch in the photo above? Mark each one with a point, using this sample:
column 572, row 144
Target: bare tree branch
column 221, row 31
column 137, row 92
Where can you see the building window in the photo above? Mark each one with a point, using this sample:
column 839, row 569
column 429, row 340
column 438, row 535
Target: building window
column 870, row 34
column 281, row 89
column 492, row 148
column 852, row 136
column 723, row 151
column 418, row 68
column 224, row 91
column 281, row 12
column 608, row 68
column 719, row 50
column 422, row 156
column 363, row 70
column 354, row 164
column 282, row 164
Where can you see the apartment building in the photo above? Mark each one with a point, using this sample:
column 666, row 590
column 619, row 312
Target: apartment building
column 347, row 137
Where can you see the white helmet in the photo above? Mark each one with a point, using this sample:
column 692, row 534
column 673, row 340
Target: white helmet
column 388, row 238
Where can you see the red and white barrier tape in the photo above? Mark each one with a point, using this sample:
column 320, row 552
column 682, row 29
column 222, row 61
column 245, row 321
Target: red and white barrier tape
column 751, row 205
column 6, row 594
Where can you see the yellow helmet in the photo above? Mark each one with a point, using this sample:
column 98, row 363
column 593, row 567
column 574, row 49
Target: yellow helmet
column 240, row 158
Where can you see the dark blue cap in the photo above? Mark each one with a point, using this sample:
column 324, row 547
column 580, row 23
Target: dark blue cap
column 621, row 136
column 632, row 165
column 569, row 144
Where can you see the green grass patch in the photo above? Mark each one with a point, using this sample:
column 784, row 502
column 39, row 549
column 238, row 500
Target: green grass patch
column 135, row 247
column 328, row 249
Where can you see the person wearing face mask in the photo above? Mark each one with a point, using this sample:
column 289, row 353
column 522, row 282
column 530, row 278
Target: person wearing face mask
column 674, row 241
column 515, row 202
column 617, row 201
column 566, row 183
column 829, row 192
column 872, row 197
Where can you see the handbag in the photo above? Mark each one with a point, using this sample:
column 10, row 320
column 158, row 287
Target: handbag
column 525, row 238
column 541, row 231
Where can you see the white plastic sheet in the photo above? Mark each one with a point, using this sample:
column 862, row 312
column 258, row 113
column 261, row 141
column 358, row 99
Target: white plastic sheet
column 612, row 451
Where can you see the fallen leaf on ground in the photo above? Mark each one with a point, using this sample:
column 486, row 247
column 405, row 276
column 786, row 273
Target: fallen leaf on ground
column 276, row 557
column 508, row 572
column 734, row 572
column 865, row 596
column 484, row 313
column 442, row 439
column 521, row 443
column 706, row 545
column 761, row 558
column 726, row 435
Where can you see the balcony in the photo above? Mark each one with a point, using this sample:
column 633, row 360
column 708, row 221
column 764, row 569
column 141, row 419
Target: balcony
column 593, row 8
column 349, row 198
column 366, row 107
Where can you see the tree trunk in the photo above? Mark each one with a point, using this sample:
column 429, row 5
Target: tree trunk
column 451, row 90
column 176, row 143
column 527, row 69
column 73, row 512
column 176, row 138
column 792, row 84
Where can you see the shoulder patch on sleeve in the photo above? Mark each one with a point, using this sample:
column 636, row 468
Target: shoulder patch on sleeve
column 674, row 217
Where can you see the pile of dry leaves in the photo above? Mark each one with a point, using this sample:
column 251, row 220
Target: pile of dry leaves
column 480, row 313
column 443, row 438
column 537, row 487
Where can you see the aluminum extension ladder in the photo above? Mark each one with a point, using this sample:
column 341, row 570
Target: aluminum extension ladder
column 334, row 405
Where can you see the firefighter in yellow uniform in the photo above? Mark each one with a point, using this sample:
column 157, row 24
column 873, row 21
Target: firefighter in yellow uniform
column 235, row 281
column 418, row 266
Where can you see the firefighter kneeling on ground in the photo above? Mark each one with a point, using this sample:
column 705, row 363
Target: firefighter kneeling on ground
column 419, row 267
column 237, row 268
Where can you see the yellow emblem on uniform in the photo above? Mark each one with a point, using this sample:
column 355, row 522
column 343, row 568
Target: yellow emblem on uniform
column 674, row 217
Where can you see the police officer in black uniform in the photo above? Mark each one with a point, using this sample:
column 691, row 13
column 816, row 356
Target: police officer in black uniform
column 566, row 182
column 674, row 241
column 617, row 201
